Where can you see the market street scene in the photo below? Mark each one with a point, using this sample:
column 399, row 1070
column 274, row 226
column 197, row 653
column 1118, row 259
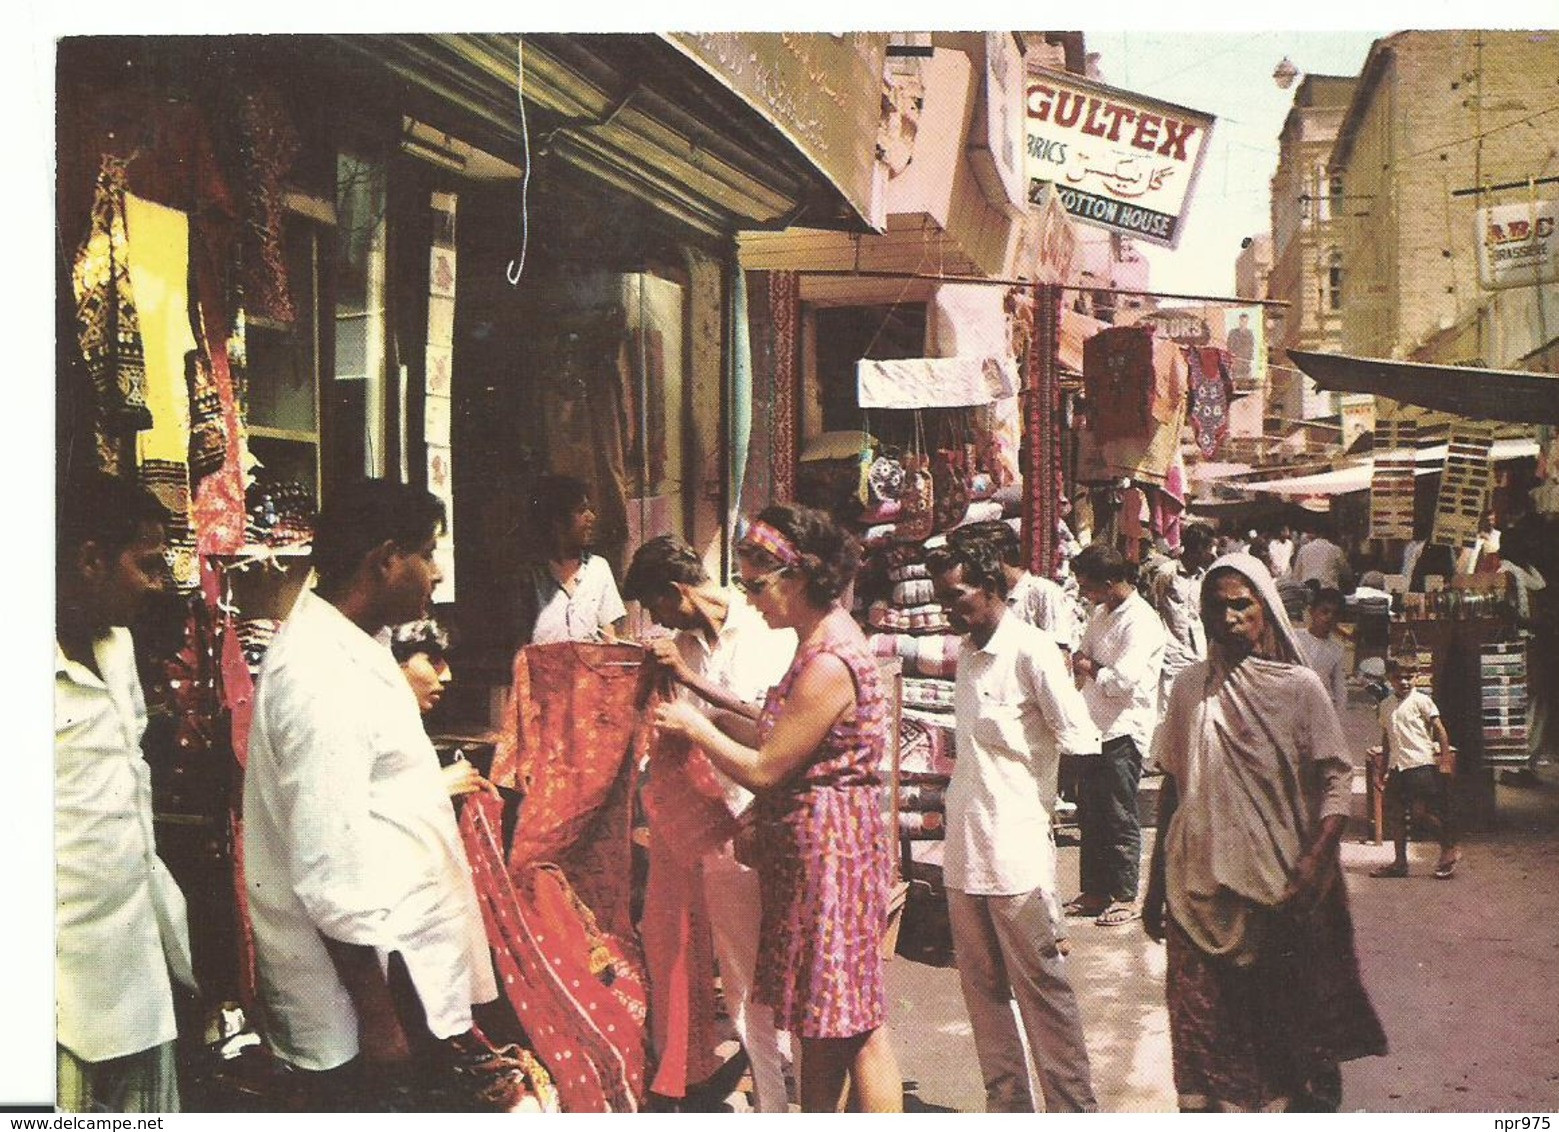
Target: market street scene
column 817, row 571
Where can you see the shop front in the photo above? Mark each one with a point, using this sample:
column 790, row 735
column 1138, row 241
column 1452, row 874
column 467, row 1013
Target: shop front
column 463, row 262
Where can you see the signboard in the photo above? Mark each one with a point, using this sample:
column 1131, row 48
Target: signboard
column 1244, row 335
column 1117, row 159
column 994, row 153
column 822, row 91
column 1055, row 239
column 1517, row 244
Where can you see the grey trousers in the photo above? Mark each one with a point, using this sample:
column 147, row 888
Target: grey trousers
column 1005, row 948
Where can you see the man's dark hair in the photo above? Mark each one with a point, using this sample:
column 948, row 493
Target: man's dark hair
column 1394, row 666
column 660, row 564
column 978, row 555
column 361, row 516
column 1326, row 595
column 1104, row 564
column 554, row 499
column 1196, row 538
column 998, row 533
column 96, row 507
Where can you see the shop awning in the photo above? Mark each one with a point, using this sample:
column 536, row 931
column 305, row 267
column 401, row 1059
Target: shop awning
column 643, row 113
column 1357, row 477
column 1479, row 394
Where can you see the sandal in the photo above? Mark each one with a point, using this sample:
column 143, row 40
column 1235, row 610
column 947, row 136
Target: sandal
column 1085, row 905
column 1445, row 870
column 1116, row 915
column 1391, row 870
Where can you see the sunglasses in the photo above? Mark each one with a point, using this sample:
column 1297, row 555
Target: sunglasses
column 760, row 583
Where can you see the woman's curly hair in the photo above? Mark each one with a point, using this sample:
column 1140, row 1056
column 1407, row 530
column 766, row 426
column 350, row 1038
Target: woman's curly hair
column 829, row 554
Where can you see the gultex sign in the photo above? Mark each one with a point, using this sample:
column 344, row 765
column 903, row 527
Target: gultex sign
column 1114, row 158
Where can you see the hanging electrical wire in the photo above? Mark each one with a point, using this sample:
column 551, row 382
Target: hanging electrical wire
column 516, row 267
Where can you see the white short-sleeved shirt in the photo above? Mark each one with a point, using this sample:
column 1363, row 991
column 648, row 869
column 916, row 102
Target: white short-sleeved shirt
column 748, row 658
column 1408, row 726
column 581, row 616
column 1127, row 643
column 1321, row 560
column 348, row 832
column 1016, row 712
column 119, row 915
column 1045, row 605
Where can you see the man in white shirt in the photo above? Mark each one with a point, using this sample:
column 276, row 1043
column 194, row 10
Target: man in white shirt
column 724, row 654
column 1413, row 740
column 367, row 931
column 1117, row 666
column 1322, row 561
column 1280, row 552
column 122, row 938
column 1016, row 711
column 1035, row 599
column 1324, row 653
column 1176, row 593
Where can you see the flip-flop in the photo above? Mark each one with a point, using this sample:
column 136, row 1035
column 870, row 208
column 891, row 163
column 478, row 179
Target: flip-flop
column 1447, row 869
column 1084, row 906
column 1389, row 871
column 1116, row 915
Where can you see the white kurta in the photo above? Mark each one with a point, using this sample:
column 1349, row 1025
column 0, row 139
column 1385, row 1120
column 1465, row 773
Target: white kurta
column 119, row 914
column 1017, row 711
column 348, row 831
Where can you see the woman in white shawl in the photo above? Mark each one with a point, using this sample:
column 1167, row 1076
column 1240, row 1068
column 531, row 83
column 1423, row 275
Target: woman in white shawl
column 1263, row 986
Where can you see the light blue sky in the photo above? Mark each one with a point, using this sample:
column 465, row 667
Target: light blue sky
column 1228, row 75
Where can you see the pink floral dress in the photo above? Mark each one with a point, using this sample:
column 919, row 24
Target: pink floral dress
column 825, row 862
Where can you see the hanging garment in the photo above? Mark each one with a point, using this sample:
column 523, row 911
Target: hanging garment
column 1211, row 392
column 577, row 733
column 576, row 989
column 268, row 145
column 1118, row 376
column 108, row 325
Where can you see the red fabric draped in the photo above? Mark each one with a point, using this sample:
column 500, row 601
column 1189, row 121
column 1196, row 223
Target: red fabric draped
column 576, row 734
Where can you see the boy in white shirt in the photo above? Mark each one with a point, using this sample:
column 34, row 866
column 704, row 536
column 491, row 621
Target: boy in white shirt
column 1413, row 742
column 1324, row 653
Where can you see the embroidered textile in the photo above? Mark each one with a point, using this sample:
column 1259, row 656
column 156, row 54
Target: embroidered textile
column 1211, row 392
column 168, row 480
column 268, row 145
column 575, row 988
column 108, row 326
column 785, row 311
column 1118, row 375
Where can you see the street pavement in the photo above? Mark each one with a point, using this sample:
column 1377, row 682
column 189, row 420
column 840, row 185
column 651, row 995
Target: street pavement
column 1461, row 972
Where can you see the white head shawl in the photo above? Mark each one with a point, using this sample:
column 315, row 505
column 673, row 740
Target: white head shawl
column 1256, row 752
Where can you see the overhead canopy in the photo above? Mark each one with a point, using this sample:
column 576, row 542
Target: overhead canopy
column 1479, row 394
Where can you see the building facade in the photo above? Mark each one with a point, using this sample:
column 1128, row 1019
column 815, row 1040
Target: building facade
column 1307, row 208
column 1433, row 113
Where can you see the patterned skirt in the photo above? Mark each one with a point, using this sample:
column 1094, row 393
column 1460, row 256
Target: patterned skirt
column 1271, row 1035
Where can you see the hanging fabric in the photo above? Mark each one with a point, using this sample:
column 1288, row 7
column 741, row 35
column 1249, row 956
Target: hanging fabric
column 1119, row 379
column 107, row 323
column 1211, row 392
column 269, row 145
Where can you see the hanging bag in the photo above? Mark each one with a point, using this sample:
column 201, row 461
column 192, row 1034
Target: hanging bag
column 917, row 520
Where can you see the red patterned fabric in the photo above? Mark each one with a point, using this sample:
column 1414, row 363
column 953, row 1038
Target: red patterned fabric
column 1211, row 391
column 1118, row 375
column 575, row 988
column 785, row 311
column 1042, row 482
column 577, row 732
column 824, row 861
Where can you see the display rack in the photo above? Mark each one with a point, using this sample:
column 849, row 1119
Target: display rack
column 1503, row 671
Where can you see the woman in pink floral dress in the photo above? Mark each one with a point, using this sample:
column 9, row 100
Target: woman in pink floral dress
column 822, row 851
